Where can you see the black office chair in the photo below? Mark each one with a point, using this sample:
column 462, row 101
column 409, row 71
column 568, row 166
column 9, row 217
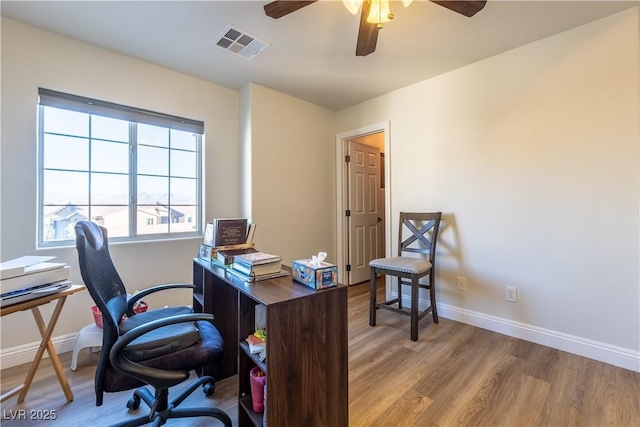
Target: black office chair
column 420, row 236
column 157, row 348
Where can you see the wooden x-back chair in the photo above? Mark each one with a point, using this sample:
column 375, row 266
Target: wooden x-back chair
column 421, row 240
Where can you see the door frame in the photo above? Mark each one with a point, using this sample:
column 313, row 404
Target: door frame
column 341, row 194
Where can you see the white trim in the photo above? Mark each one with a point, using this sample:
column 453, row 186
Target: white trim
column 25, row 353
column 606, row 353
column 341, row 140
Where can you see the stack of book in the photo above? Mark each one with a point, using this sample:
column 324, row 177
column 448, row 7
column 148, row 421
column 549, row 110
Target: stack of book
column 225, row 238
column 257, row 344
column 257, row 340
column 256, row 266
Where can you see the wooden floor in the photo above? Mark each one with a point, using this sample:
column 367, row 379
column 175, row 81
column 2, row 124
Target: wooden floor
column 453, row 375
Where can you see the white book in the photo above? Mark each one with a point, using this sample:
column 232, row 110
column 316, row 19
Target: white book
column 36, row 276
column 257, row 348
column 256, row 258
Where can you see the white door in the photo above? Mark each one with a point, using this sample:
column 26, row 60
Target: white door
column 364, row 209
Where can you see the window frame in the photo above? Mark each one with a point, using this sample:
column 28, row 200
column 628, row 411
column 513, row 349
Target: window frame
column 134, row 116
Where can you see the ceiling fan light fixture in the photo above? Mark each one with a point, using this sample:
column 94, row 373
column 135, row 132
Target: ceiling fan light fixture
column 374, row 13
column 379, row 13
column 352, row 5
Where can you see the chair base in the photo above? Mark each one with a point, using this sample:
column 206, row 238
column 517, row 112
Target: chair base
column 162, row 410
column 413, row 312
column 388, row 305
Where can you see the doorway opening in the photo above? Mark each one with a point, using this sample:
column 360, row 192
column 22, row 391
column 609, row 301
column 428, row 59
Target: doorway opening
column 363, row 200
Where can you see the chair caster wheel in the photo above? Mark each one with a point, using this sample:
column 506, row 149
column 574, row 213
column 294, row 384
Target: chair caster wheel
column 209, row 388
column 134, row 403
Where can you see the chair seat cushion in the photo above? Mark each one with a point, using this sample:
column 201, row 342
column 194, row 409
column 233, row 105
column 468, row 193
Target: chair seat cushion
column 162, row 340
column 149, row 316
column 208, row 350
column 402, row 264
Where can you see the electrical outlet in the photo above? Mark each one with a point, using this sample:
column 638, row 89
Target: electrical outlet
column 462, row 283
column 511, row 294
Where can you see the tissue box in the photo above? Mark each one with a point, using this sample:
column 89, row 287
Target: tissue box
column 315, row 277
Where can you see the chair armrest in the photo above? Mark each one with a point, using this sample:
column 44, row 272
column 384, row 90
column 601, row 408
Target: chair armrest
column 159, row 377
column 137, row 297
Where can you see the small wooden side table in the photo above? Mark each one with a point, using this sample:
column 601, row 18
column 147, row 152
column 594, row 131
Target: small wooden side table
column 45, row 344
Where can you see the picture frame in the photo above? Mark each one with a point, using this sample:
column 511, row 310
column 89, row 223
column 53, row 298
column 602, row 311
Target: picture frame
column 205, row 252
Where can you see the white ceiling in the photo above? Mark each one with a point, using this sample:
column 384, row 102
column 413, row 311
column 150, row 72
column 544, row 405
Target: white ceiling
column 312, row 52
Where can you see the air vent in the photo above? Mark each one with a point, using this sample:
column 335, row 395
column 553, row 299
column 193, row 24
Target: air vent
column 240, row 43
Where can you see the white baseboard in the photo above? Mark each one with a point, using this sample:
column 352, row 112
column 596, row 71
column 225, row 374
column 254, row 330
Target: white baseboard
column 21, row 354
column 602, row 352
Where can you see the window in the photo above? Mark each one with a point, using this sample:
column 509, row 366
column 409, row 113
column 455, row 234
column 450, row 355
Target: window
column 135, row 172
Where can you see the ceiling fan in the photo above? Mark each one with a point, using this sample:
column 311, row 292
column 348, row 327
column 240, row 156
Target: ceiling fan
column 374, row 13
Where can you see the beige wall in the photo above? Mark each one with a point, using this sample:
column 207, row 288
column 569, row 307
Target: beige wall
column 292, row 174
column 33, row 58
column 533, row 156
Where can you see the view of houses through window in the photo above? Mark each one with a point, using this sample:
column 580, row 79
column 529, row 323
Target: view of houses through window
column 138, row 180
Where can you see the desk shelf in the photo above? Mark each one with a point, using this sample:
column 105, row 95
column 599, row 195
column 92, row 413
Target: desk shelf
column 245, row 404
column 198, row 300
column 306, row 335
column 254, row 357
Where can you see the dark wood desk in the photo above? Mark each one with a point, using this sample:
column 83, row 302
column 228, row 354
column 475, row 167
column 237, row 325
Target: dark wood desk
column 307, row 349
column 45, row 343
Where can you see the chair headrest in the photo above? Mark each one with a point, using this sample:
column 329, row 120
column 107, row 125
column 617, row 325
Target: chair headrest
column 93, row 233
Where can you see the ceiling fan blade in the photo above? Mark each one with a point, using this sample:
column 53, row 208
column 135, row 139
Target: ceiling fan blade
column 367, row 33
column 278, row 9
column 463, row 7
